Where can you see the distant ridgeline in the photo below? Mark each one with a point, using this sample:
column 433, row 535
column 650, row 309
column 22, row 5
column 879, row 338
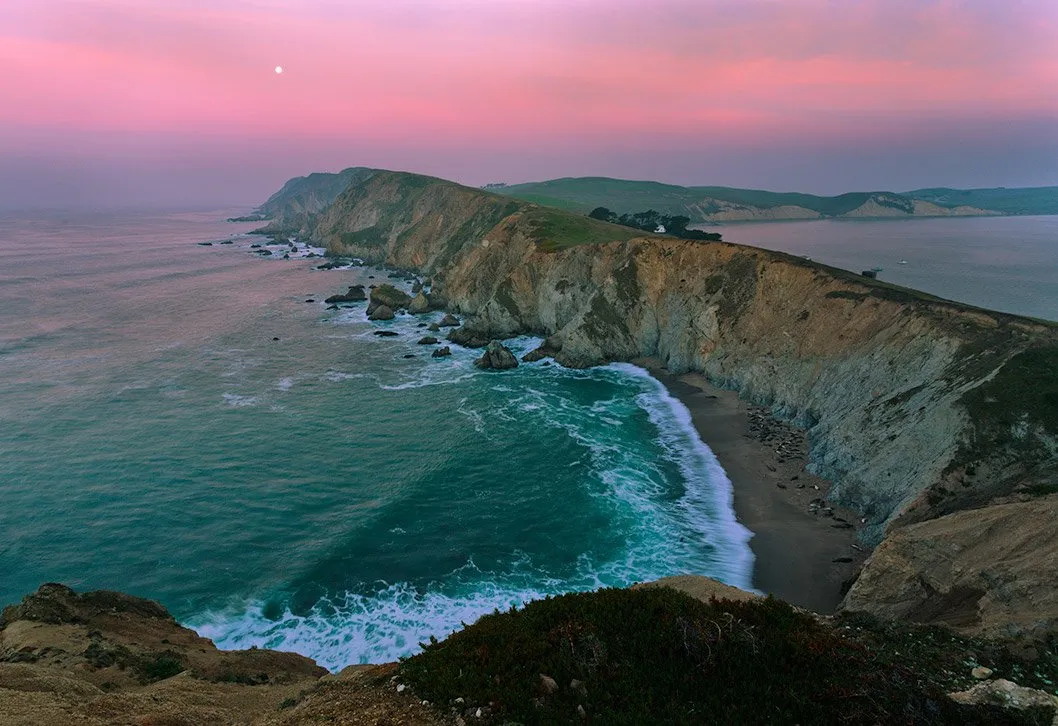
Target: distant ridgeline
column 725, row 204
column 304, row 196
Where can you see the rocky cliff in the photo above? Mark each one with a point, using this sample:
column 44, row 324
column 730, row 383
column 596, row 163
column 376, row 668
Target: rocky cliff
column 915, row 407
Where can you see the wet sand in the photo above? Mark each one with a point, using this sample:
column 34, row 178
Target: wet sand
column 804, row 550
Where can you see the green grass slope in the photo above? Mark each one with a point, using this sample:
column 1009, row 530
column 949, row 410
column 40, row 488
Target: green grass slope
column 621, row 196
column 1014, row 201
column 583, row 194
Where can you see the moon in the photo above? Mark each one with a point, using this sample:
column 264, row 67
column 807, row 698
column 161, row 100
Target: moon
column 279, row 69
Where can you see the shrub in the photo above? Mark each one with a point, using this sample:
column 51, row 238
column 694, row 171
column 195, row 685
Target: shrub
column 658, row 656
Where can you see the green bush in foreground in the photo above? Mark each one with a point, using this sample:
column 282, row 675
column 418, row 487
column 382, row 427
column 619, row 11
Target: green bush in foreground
column 657, row 656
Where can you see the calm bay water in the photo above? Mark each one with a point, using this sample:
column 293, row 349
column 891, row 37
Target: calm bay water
column 1000, row 263
column 319, row 492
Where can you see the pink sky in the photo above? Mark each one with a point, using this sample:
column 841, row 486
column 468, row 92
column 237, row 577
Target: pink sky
column 802, row 94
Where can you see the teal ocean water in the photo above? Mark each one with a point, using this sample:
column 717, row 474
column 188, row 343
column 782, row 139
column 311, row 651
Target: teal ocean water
column 321, row 492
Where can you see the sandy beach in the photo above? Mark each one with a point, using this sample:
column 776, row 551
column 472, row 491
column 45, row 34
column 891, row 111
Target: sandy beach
column 804, row 549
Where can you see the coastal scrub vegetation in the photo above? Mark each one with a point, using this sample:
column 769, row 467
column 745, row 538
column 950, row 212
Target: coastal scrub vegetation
column 659, row 656
column 652, row 221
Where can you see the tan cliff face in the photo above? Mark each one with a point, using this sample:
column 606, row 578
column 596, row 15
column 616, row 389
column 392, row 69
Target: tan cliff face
column 897, row 390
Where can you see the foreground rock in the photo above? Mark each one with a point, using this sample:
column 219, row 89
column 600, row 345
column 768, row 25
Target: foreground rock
column 105, row 657
column 1002, row 692
column 355, row 294
column 497, row 357
column 700, row 588
column 991, row 571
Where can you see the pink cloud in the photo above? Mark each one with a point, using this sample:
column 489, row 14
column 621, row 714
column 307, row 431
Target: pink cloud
column 523, row 70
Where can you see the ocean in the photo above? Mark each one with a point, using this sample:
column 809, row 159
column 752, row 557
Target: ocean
column 177, row 421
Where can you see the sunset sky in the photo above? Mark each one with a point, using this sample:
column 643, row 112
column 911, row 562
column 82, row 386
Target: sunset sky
column 166, row 101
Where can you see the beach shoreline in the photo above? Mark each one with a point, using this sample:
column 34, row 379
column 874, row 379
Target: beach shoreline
column 804, row 550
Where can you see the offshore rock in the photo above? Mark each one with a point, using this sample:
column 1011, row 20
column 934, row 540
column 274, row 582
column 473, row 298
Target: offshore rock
column 389, row 296
column 381, row 312
column 355, row 294
column 497, row 357
column 442, row 352
column 449, row 321
column 419, row 305
column 427, row 340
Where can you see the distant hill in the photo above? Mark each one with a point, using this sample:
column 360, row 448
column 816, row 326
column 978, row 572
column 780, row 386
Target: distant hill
column 726, row 204
column 303, row 196
column 1014, row 201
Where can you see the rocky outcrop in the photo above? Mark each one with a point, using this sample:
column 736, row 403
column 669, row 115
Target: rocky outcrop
column 108, row 659
column 427, row 340
column 497, row 357
column 442, row 352
column 105, row 657
column 915, row 407
column 991, row 571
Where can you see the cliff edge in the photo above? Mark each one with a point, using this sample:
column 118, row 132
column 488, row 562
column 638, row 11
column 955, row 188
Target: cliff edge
column 915, row 407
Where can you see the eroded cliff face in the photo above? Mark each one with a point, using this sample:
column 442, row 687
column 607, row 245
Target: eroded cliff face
column 906, row 399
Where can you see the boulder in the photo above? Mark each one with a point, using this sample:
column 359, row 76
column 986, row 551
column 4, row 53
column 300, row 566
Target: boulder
column 388, row 296
column 449, row 321
column 382, row 312
column 355, row 294
column 442, row 352
column 434, row 328
column 468, row 338
column 1008, row 694
column 386, row 333
column 498, row 357
column 428, row 340
column 419, row 305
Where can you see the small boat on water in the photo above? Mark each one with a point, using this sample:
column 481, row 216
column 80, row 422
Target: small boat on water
column 903, row 262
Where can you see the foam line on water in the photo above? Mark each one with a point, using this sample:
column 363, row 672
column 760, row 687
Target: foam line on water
column 708, row 486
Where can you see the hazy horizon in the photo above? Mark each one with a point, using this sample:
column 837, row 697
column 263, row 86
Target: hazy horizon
column 118, row 103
